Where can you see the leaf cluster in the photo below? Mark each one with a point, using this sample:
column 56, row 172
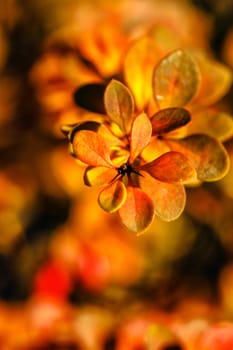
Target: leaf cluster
column 149, row 146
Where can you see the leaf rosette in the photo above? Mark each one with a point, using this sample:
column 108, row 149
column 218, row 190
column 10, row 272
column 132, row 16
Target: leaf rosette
column 114, row 160
column 142, row 162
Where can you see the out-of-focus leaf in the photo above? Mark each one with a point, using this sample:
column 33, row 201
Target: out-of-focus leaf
column 119, row 105
column 172, row 167
column 216, row 79
column 137, row 212
column 139, row 63
column 113, row 196
column 159, row 337
column 175, row 79
column 169, row 199
column 70, row 130
column 105, row 45
column 169, row 119
column 212, row 122
column 140, row 135
column 226, row 50
column 97, row 176
column 206, row 154
column 91, row 97
column 165, row 38
column 91, row 148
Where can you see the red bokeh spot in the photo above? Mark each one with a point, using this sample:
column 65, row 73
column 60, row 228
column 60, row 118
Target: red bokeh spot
column 52, row 280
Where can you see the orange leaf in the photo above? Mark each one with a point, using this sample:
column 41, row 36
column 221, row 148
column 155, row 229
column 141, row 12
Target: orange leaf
column 140, row 135
column 137, row 212
column 169, row 119
column 206, row 154
column 175, row 79
column 172, row 167
column 119, row 105
column 98, row 176
column 139, row 63
column 91, row 148
column 113, row 196
column 169, row 199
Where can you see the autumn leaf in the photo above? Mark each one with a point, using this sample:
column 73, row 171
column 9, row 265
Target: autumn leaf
column 140, row 135
column 169, row 119
column 175, row 79
column 91, row 148
column 207, row 155
column 119, row 105
column 113, row 196
column 137, row 212
column 98, row 176
column 171, row 167
column 169, row 199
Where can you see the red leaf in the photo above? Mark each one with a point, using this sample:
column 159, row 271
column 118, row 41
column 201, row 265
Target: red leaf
column 171, row 167
column 119, row 105
column 137, row 212
column 91, row 149
column 140, row 135
column 169, row 119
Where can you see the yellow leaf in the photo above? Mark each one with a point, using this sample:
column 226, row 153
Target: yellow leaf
column 139, row 63
column 112, row 197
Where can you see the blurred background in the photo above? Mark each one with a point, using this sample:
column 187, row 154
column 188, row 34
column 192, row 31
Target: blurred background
column 71, row 276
